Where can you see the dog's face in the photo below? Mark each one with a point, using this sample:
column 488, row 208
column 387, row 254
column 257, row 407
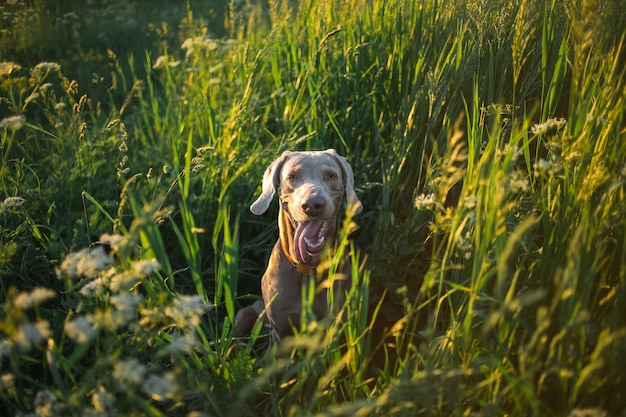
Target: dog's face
column 311, row 187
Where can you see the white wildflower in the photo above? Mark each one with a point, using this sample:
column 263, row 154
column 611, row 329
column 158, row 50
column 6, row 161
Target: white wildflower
column 510, row 149
column 129, row 371
column 114, row 240
column 12, row 122
column 160, row 61
column 59, row 106
column 186, row 310
column 425, row 201
column 24, row 300
column 210, row 43
column 29, row 334
column 183, row 344
column 111, row 320
column 149, row 316
column 207, row 43
column 127, row 301
column 80, row 329
column 6, row 68
column 550, row 127
column 146, row 267
column 92, row 261
column 96, row 286
column 544, row 167
column 187, row 44
column 48, row 66
column 85, row 263
column 11, row 203
column 122, row 280
column 41, row 70
column 518, row 182
column 159, row 387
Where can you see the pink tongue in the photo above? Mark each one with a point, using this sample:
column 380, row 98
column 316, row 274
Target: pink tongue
column 310, row 231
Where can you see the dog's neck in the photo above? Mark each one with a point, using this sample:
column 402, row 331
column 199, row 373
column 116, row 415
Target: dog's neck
column 286, row 237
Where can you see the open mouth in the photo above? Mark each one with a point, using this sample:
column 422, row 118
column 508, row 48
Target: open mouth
column 309, row 238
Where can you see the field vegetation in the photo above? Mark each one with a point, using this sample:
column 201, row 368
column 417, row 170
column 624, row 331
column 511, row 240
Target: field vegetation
column 488, row 141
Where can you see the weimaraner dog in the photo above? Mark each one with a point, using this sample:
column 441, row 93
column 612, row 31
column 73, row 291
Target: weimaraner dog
column 311, row 187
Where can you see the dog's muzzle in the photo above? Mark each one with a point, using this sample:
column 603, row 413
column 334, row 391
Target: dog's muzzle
column 310, row 234
column 309, row 238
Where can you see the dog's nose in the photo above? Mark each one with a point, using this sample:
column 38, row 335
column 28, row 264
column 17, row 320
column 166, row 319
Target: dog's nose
column 313, row 206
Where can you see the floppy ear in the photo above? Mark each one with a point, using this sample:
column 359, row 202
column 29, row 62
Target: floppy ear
column 348, row 180
column 270, row 180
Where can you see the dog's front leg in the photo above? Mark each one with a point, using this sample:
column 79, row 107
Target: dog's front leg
column 247, row 317
column 282, row 293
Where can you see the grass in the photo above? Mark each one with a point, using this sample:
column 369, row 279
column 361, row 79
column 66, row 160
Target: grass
column 488, row 145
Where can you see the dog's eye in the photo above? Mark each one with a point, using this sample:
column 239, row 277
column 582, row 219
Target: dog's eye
column 331, row 176
column 291, row 177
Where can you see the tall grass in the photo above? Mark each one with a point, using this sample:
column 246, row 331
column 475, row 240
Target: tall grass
column 488, row 145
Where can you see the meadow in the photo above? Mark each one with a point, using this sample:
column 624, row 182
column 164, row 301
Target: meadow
column 488, row 142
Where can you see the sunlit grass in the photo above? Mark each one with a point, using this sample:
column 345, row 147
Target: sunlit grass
column 488, row 145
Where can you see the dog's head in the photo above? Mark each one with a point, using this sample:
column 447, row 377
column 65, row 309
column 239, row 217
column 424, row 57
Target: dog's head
column 311, row 187
column 294, row 168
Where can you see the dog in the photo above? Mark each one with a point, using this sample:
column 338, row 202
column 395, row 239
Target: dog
column 311, row 188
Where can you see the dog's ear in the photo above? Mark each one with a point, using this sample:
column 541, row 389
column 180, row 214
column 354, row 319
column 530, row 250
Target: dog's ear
column 271, row 179
column 348, row 180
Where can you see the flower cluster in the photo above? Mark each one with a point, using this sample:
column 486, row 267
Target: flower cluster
column 518, row 182
column 7, row 68
column 425, row 202
column 11, row 203
column 163, row 60
column 24, row 332
column 12, row 122
column 550, row 127
column 88, row 263
column 26, row 300
column 41, row 70
column 112, row 305
column 186, row 310
column 206, row 43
